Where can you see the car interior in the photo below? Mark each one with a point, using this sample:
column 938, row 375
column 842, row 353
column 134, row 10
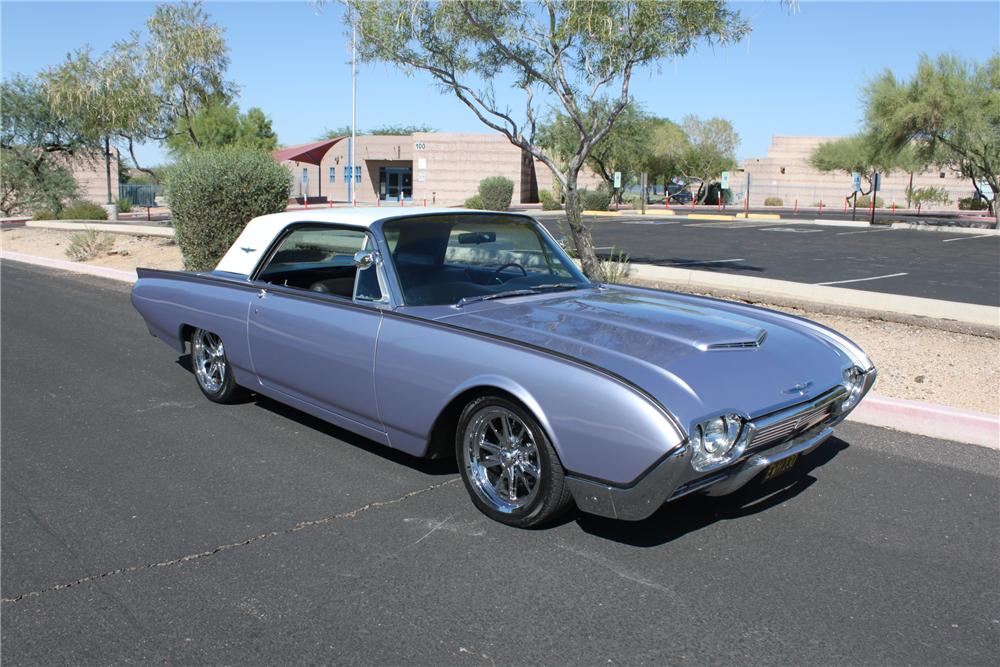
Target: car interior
column 303, row 261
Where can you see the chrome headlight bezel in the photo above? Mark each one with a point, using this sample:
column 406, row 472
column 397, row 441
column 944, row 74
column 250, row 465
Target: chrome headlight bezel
column 718, row 441
column 854, row 383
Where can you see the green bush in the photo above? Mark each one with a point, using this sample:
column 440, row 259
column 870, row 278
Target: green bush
column 124, row 204
column 88, row 244
column 971, row 204
column 774, row 201
column 45, row 214
column 595, row 200
column 496, row 193
column 864, row 201
column 475, row 201
column 83, row 210
column 634, row 200
column 212, row 195
column 549, row 203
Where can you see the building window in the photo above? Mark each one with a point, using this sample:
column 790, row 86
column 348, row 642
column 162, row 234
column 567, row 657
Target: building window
column 357, row 174
column 347, row 173
column 941, row 174
column 333, row 174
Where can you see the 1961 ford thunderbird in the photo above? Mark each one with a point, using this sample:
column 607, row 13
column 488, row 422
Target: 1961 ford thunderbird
column 474, row 335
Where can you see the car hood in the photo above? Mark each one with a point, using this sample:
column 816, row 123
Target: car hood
column 697, row 357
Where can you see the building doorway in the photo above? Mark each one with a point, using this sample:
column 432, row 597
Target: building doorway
column 395, row 183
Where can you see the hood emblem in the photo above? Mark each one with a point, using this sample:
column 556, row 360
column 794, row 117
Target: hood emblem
column 800, row 388
column 248, row 250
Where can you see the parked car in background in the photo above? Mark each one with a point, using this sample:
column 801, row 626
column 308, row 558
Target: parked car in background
column 470, row 334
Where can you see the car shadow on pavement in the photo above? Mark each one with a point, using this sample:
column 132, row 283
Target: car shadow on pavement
column 426, row 466
column 676, row 519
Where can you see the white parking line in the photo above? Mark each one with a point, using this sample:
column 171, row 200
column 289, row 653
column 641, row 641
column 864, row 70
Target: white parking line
column 704, row 261
column 864, row 231
column 963, row 238
column 858, row 280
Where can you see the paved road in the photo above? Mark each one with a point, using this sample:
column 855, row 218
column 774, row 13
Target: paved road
column 936, row 265
column 143, row 524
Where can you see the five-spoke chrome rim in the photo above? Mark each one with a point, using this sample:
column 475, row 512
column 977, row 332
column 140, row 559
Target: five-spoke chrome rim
column 501, row 458
column 209, row 360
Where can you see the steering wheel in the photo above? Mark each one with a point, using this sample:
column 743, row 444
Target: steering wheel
column 496, row 274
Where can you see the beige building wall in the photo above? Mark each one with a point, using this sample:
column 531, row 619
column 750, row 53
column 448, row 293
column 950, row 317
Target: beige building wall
column 447, row 168
column 88, row 169
column 785, row 173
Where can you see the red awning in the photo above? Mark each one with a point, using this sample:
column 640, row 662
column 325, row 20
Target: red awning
column 309, row 153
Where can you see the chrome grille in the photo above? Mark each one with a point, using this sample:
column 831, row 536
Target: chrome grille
column 791, row 426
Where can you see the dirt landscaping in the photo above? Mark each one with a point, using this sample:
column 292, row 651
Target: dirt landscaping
column 914, row 362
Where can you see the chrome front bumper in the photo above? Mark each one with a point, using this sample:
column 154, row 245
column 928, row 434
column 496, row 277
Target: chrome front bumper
column 673, row 477
column 665, row 482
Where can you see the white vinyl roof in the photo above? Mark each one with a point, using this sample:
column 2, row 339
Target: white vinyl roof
column 243, row 256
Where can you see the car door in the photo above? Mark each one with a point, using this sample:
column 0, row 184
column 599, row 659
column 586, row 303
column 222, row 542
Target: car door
column 313, row 324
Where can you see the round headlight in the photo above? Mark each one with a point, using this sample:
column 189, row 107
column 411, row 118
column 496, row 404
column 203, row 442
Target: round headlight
column 714, row 441
column 854, row 382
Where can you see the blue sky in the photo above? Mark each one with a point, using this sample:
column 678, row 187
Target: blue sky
column 798, row 73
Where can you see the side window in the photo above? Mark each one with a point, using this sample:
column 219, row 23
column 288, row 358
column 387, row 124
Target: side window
column 321, row 260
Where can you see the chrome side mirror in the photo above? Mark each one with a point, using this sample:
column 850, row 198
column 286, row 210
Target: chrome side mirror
column 364, row 259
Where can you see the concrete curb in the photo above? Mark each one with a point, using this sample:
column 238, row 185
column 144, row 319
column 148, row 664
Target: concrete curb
column 949, row 230
column 111, row 228
column 780, row 292
column 934, row 421
column 65, row 265
column 927, row 419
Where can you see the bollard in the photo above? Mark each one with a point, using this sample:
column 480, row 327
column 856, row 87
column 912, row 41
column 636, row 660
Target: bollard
column 893, row 206
column 821, row 207
column 425, row 202
column 796, row 209
column 378, row 203
column 845, row 205
column 918, row 208
column 666, row 200
column 330, row 201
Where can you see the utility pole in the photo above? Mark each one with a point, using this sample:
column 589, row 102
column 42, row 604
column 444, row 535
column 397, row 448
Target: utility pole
column 354, row 109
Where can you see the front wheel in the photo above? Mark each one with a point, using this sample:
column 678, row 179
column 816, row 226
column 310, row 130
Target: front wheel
column 508, row 465
column 212, row 369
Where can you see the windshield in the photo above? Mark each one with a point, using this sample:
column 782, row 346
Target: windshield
column 455, row 259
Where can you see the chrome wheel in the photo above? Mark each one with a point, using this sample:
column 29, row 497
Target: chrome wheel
column 209, row 360
column 501, row 459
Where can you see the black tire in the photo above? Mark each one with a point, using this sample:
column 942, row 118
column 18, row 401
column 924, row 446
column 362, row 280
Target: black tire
column 217, row 384
column 546, row 500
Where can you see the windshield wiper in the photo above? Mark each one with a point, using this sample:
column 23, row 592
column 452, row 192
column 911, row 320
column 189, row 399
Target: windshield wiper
column 499, row 295
column 559, row 286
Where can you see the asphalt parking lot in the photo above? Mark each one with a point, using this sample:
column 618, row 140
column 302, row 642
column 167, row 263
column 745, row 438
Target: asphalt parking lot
column 142, row 523
column 936, row 265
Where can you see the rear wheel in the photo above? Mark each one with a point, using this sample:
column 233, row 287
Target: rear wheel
column 509, row 467
column 212, row 369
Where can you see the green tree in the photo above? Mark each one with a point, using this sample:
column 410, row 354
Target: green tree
column 863, row 154
column 220, row 125
column 666, row 141
column 949, row 111
column 579, row 56
column 626, row 148
column 34, row 145
column 28, row 183
column 146, row 88
column 708, row 148
column 385, row 130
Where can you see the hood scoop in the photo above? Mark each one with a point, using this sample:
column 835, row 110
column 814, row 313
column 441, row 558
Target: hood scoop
column 739, row 345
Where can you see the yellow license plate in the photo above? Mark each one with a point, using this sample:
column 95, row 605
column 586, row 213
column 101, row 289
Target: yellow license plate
column 779, row 468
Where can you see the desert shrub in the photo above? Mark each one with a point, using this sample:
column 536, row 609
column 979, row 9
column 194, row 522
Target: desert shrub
column 634, row 200
column 88, row 244
column 971, row 204
column 45, row 214
column 124, row 204
column 475, row 201
column 549, row 203
column 595, row 200
column 928, row 196
column 614, row 269
column 83, row 210
column 30, row 182
column 496, row 193
column 864, row 201
column 774, row 201
column 212, row 195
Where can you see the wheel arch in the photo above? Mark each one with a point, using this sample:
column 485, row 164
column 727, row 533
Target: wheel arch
column 441, row 441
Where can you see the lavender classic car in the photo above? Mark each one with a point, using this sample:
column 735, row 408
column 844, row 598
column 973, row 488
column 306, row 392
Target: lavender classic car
column 474, row 335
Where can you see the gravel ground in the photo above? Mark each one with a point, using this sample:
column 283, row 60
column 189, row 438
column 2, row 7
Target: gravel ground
column 917, row 363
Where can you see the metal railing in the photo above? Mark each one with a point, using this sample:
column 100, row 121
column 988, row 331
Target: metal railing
column 140, row 195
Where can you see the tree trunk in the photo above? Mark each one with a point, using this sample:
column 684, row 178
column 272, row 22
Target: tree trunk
column 582, row 239
column 909, row 191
